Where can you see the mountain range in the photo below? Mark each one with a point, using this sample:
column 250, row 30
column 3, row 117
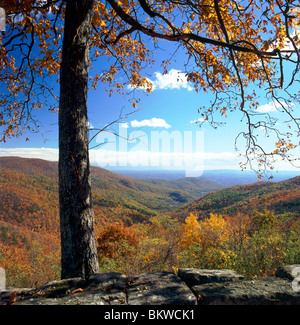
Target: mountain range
column 29, row 211
column 281, row 197
column 29, row 194
column 224, row 177
column 30, row 187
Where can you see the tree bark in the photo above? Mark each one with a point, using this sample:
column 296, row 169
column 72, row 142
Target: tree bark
column 78, row 244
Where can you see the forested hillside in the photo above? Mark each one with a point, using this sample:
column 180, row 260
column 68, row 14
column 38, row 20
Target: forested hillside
column 193, row 185
column 29, row 217
column 281, row 197
column 147, row 226
column 31, row 185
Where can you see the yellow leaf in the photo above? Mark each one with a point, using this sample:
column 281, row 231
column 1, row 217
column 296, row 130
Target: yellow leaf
column 122, row 2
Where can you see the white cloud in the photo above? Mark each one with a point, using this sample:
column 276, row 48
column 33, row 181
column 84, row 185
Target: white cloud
column 154, row 122
column 41, row 153
column 199, row 120
column 267, row 108
column 192, row 162
column 272, row 107
column 104, row 157
column 286, row 45
column 174, row 79
column 219, row 155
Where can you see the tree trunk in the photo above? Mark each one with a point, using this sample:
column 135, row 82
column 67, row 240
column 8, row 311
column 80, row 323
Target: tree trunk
column 78, row 244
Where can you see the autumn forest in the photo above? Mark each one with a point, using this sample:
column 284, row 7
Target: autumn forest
column 146, row 227
column 67, row 219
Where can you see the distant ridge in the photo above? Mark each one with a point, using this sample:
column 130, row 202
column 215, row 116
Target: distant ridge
column 281, row 197
column 224, row 177
column 114, row 196
column 29, row 218
column 134, row 200
column 29, row 166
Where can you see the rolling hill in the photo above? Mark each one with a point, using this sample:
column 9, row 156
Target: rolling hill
column 29, row 212
column 29, row 191
column 223, row 177
column 281, row 197
column 29, row 195
column 193, row 185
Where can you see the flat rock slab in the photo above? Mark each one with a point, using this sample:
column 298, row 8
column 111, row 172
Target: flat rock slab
column 84, row 298
column 289, row 272
column 200, row 276
column 159, row 288
column 188, row 287
column 99, row 289
column 264, row 291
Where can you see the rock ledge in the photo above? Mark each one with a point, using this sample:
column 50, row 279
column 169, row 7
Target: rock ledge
column 188, row 287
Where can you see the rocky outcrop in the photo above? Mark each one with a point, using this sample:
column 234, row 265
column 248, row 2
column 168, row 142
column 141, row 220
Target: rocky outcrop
column 188, row 287
column 226, row 287
column 108, row 289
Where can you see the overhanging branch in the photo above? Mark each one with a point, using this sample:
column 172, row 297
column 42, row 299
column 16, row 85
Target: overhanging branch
column 177, row 35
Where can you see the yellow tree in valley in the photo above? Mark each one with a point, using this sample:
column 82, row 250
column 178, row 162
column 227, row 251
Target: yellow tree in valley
column 229, row 46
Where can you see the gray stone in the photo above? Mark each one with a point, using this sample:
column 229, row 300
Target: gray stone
column 80, row 298
column 200, row 276
column 7, row 294
column 191, row 286
column 159, row 288
column 59, row 288
column 288, row 271
column 264, row 291
column 98, row 289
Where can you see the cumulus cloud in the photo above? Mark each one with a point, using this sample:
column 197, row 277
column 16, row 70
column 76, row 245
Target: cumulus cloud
column 192, row 162
column 272, row 107
column 174, row 79
column 41, row 153
column 102, row 157
column 153, row 122
column 286, row 45
column 199, row 120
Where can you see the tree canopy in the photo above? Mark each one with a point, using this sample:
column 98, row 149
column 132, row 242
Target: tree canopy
column 229, row 46
column 231, row 49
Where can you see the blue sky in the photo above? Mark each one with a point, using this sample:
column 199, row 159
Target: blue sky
column 169, row 113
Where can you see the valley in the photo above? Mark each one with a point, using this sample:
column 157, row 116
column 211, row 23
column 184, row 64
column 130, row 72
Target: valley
column 138, row 222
